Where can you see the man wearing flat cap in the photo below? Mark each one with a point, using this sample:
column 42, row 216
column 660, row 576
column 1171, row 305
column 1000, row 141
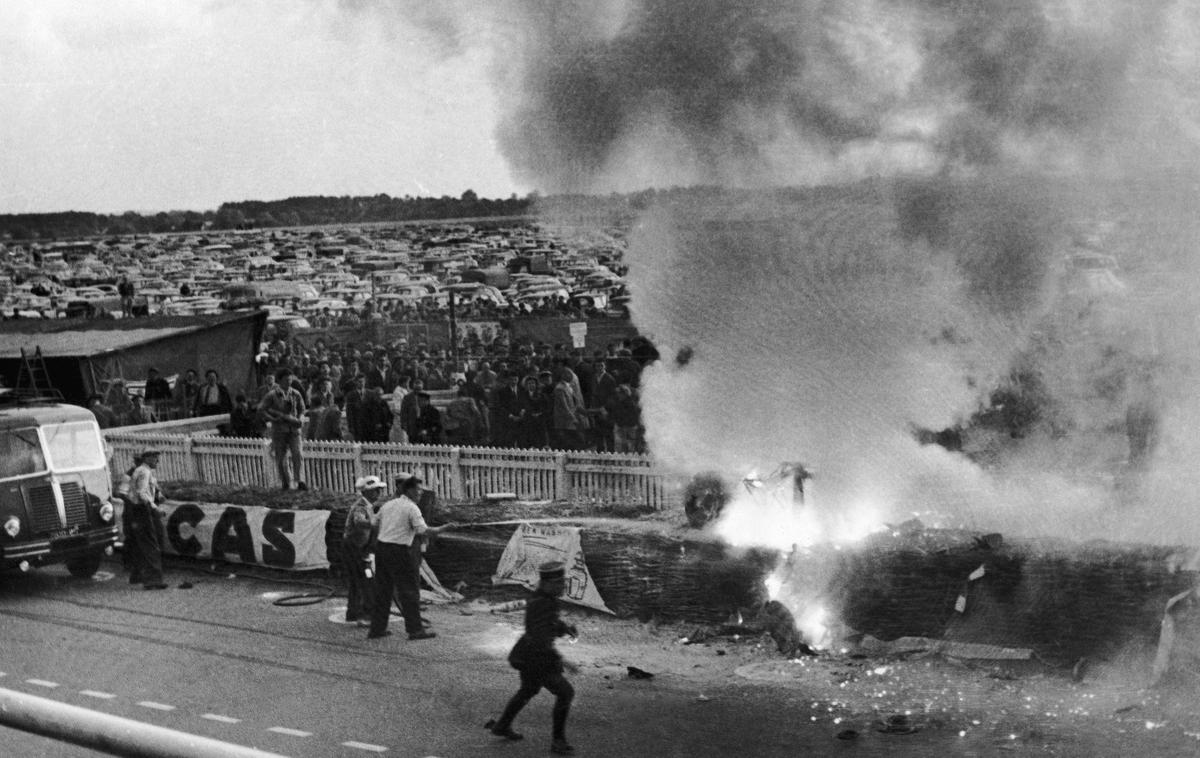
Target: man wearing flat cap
column 146, row 533
column 538, row 662
column 398, row 528
column 356, row 546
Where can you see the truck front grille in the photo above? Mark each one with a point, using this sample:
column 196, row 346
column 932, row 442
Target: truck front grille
column 75, row 502
column 43, row 511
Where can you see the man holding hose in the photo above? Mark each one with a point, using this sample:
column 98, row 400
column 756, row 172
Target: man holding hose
column 398, row 528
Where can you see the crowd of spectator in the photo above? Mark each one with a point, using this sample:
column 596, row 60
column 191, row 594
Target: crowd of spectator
column 514, row 396
column 477, row 310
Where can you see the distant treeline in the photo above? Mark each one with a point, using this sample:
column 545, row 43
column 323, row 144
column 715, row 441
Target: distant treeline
column 251, row 214
column 320, row 210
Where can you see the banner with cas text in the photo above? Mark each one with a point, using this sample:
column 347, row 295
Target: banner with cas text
column 275, row 538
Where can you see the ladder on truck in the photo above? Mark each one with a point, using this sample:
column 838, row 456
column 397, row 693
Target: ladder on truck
column 33, row 379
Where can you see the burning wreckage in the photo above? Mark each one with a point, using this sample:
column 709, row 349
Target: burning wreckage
column 907, row 588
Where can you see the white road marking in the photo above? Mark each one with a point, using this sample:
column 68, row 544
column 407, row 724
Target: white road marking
column 292, row 732
column 95, row 693
column 41, row 683
column 156, row 706
column 366, row 746
column 222, row 719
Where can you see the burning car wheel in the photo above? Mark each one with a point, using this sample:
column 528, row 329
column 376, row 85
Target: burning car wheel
column 703, row 499
column 85, row 566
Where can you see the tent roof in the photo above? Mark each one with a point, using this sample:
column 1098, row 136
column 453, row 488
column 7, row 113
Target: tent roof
column 70, row 338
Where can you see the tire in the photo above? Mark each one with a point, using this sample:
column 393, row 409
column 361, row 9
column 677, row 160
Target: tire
column 85, row 566
column 704, row 498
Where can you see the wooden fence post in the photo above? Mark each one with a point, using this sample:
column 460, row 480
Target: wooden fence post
column 358, row 461
column 458, row 483
column 562, row 483
column 190, row 467
column 268, row 462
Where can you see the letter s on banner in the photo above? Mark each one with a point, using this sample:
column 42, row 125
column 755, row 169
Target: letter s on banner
column 278, row 550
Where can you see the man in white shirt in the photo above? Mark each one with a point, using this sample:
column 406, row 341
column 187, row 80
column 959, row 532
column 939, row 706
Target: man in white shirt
column 398, row 527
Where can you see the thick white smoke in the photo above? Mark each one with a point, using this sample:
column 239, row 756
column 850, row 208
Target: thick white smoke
column 826, row 324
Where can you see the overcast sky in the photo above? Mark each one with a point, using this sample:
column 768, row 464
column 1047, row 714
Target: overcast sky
column 152, row 105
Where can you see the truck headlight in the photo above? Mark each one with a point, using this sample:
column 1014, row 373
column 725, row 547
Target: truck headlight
column 106, row 512
column 12, row 527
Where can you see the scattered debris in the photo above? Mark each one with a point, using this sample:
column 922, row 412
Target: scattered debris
column 1079, row 670
column 512, row 605
column 896, row 724
column 948, row 648
column 993, row 541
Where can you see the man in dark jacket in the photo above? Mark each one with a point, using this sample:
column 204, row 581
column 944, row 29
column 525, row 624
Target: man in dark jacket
column 429, row 422
column 213, row 397
column 409, row 410
column 157, row 388
column 506, row 412
column 538, row 662
column 356, row 396
column 376, row 416
column 243, row 419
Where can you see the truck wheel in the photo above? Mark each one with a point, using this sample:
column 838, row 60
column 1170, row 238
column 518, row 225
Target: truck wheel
column 84, row 566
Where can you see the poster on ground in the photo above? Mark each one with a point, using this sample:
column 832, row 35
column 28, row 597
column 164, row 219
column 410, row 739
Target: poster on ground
column 275, row 538
column 534, row 544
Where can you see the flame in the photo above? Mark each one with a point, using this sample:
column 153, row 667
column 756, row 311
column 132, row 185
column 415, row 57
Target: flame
column 811, row 624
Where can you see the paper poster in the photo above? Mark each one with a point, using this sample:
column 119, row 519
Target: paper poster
column 534, row 544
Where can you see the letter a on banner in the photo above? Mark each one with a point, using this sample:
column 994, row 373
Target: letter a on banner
column 534, row 544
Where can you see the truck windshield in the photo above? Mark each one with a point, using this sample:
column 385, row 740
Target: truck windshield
column 20, row 453
column 74, row 445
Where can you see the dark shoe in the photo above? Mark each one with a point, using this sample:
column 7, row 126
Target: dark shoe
column 507, row 732
column 155, row 587
column 422, row 635
column 377, row 635
column 561, row 747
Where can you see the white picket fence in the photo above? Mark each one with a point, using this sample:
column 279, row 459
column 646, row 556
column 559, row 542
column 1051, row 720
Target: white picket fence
column 460, row 473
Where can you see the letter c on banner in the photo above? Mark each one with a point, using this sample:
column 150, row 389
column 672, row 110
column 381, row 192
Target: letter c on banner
column 278, row 549
column 191, row 515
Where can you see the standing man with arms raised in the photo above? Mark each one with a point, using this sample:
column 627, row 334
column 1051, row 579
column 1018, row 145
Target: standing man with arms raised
column 398, row 527
column 284, row 408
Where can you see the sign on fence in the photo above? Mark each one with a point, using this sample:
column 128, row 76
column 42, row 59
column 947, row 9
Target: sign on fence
column 247, row 534
column 534, row 544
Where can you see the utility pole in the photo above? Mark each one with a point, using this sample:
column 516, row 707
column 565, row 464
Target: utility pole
column 453, row 332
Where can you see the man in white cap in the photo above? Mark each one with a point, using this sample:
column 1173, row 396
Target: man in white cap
column 145, row 522
column 398, row 527
column 356, row 546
